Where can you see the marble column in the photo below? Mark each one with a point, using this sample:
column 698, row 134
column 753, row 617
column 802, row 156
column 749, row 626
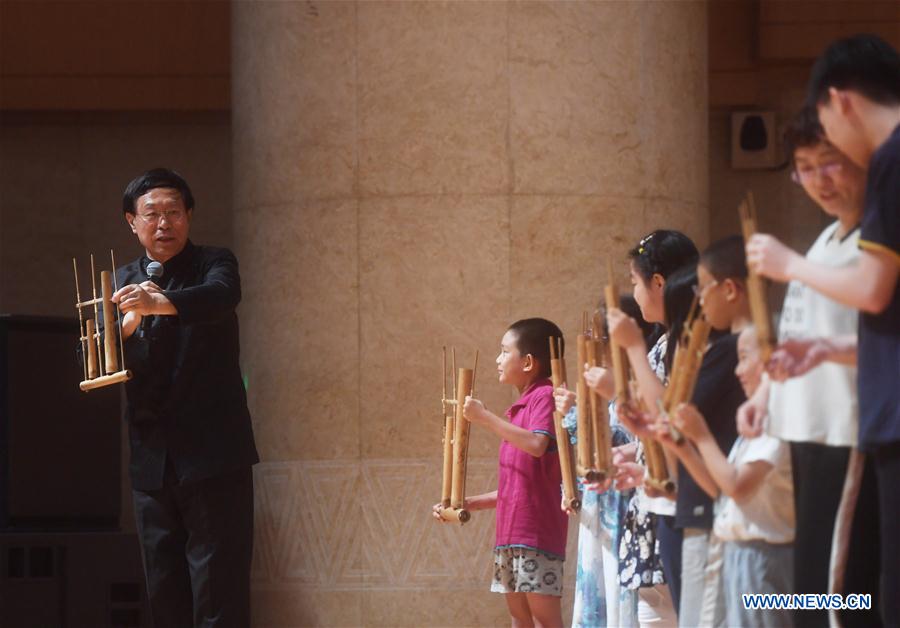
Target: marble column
column 409, row 175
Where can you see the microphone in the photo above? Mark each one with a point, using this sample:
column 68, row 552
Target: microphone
column 154, row 272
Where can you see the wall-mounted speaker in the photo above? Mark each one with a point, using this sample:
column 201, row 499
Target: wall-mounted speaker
column 753, row 140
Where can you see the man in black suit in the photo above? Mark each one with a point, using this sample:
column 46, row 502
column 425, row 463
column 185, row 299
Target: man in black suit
column 192, row 444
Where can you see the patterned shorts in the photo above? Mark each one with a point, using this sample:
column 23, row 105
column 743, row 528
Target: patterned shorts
column 522, row 570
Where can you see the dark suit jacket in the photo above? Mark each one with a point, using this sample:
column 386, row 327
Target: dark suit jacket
column 186, row 400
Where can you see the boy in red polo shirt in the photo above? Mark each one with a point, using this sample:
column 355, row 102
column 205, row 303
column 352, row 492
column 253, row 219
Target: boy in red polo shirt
column 531, row 529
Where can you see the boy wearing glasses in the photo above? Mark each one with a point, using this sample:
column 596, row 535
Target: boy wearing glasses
column 192, row 444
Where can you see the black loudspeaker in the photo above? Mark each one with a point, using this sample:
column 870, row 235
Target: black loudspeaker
column 753, row 143
column 60, row 448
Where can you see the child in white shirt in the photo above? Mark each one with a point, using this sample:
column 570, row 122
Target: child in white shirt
column 755, row 512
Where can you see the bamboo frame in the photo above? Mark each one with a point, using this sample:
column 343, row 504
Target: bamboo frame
column 558, row 375
column 455, row 440
column 756, row 285
column 102, row 355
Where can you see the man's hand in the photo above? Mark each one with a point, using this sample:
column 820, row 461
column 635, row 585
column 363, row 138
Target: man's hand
column 474, row 411
column 143, row 299
column 564, row 399
column 796, row 357
column 769, row 257
column 130, row 322
column 623, row 330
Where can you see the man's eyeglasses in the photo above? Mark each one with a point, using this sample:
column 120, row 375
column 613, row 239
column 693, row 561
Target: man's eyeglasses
column 809, row 173
column 172, row 216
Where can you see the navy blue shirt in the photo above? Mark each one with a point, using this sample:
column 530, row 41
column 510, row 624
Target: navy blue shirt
column 718, row 395
column 879, row 334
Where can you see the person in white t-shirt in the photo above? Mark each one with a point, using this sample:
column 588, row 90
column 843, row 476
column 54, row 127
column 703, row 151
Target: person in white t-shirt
column 755, row 510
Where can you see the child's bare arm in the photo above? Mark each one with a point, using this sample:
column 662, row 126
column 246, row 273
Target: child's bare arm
column 478, row 502
column 735, row 481
column 649, row 387
column 531, row 443
column 692, row 461
column 626, row 333
column 484, row 501
column 867, row 285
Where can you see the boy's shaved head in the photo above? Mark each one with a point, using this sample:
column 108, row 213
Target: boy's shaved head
column 533, row 337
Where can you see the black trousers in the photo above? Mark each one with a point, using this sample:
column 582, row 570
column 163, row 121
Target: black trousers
column 197, row 546
column 818, row 472
column 887, row 472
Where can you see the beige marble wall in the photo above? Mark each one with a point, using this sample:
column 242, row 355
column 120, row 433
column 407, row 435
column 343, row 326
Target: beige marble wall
column 415, row 174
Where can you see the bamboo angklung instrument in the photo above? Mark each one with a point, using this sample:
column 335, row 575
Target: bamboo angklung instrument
column 103, row 354
column 594, row 442
column 456, row 441
column 686, row 365
column 558, row 375
column 756, row 285
column 657, row 472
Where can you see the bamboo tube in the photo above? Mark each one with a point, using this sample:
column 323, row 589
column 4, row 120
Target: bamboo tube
column 449, row 417
column 686, row 369
column 657, row 471
column 666, row 485
column 93, row 369
column 115, row 286
column 460, row 439
column 602, row 440
column 455, row 515
column 585, row 443
column 558, row 374
column 700, row 331
column 618, row 357
column 105, row 380
column 756, row 285
column 96, row 301
column 111, row 361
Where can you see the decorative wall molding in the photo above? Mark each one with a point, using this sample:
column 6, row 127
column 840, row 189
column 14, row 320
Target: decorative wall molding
column 366, row 525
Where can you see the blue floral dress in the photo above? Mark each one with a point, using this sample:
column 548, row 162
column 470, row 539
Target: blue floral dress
column 599, row 599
